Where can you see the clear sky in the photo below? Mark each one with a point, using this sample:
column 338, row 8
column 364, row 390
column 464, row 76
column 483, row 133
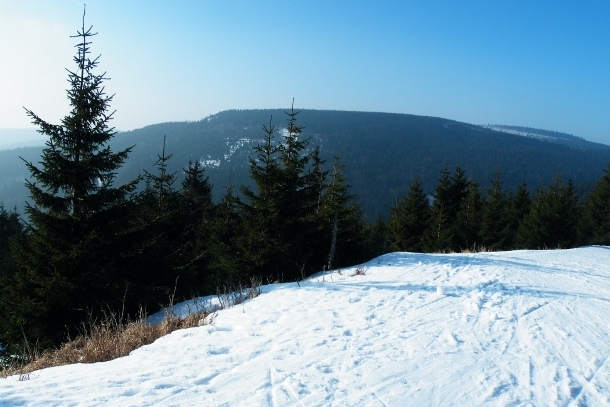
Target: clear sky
column 543, row 64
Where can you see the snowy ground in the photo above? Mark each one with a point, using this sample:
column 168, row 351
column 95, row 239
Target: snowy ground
column 501, row 329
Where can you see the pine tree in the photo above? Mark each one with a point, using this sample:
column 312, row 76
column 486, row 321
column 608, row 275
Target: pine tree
column 79, row 223
column 520, row 205
column 441, row 235
column 11, row 231
column 409, row 219
column 553, row 219
column 160, row 187
column 597, row 212
column 468, row 219
column 496, row 222
column 196, row 193
column 160, row 222
column 376, row 238
column 196, row 223
column 260, row 241
column 280, row 218
column 228, row 264
column 342, row 220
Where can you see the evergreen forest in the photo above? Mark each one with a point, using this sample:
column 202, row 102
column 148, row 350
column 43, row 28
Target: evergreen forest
column 90, row 242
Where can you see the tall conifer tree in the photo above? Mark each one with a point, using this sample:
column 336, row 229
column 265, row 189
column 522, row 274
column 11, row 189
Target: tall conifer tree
column 495, row 223
column 553, row 219
column 597, row 211
column 468, row 219
column 342, row 220
column 280, row 217
column 78, row 221
column 409, row 219
column 449, row 193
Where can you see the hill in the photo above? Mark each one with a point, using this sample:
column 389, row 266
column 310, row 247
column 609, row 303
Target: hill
column 383, row 152
column 16, row 138
column 511, row 328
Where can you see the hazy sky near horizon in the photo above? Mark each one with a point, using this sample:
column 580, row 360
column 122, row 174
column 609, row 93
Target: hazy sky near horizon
column 542, row 64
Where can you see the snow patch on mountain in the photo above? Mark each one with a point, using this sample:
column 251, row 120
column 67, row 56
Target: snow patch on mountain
column 524, row 133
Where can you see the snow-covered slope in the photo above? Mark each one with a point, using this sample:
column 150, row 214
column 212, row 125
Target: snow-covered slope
column 499, row 329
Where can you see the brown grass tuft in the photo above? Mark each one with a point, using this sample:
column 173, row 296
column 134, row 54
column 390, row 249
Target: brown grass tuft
column 104, row 340
column 360, row 271
column 113, row 337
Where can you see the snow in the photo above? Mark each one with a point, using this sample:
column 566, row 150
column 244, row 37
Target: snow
column 521, row 328
column 523, row 133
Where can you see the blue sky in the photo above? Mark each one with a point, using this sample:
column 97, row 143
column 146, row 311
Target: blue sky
column 543, row 64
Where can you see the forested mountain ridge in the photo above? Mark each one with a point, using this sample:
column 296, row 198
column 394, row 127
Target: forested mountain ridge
column 383, row 152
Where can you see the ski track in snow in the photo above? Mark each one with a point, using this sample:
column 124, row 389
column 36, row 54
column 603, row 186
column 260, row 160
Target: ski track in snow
column 518, row 328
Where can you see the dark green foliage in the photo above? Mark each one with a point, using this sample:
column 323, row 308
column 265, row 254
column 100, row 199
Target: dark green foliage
column 279, row 218
column 496, row 228
column 160, row 222
column 79, row 230
column 553, row 218
column 11, row 232
column 10, row 229
column 376, row 238
column 520, row 205
column 597, row 212
column 342, row 222
column 228, row 265
column 468, row 219
column 442, row 234
column 260, row 241
column 197, row 217
column 409, row 219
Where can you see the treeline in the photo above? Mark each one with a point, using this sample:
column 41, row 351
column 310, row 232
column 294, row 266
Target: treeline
column 88, row 247
column 100, row 249
column 459, row 216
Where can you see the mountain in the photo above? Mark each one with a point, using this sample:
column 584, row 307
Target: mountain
column 382, row 152
column 16, row 138
column 517, row 328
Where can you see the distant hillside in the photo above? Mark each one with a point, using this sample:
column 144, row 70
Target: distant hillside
column 16, row 138
column 550, row 136
column 383, row 152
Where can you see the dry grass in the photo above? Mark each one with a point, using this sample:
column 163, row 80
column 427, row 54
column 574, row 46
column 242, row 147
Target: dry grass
column 475, row 249
column 101, row 341
column 360, row 271
column 113, row 337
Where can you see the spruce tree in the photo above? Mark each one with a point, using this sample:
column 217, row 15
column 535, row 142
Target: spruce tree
column 163, row 233
column 260, row 241
column 409, row 219
column 79, row 223
column 597, row 212
column 376, row 238
column 228, row 265
column 468, row 219
column 11, row 232
column 10, row 229
column 553, row 219
column 196, row 223
column 442, row 235
column 520, row 203
column 342, row 221
column 495, row 222
column 280, row 217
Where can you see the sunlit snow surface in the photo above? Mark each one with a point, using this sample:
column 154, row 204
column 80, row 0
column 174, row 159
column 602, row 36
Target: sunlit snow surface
column 501, row 329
